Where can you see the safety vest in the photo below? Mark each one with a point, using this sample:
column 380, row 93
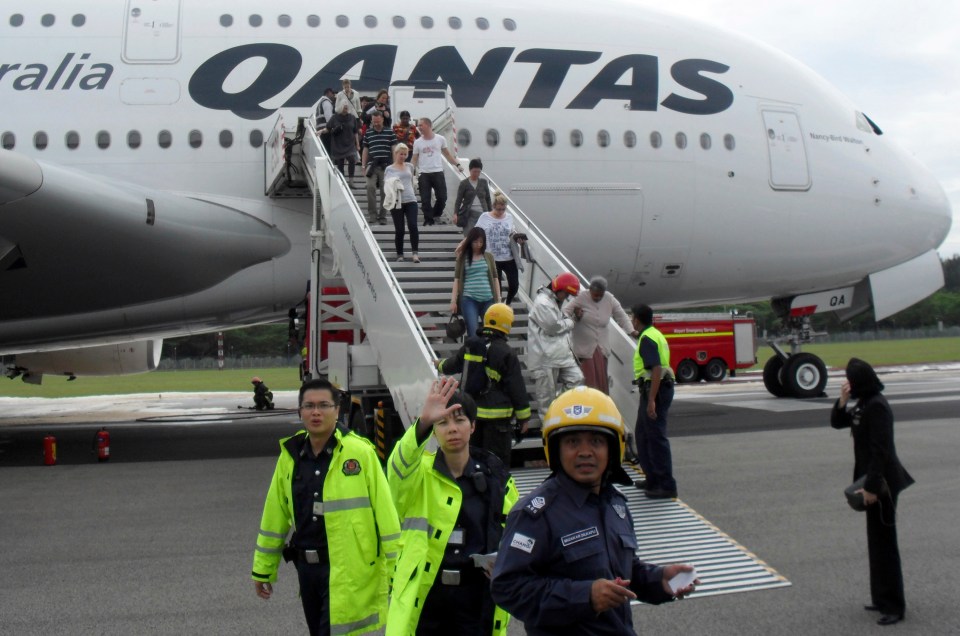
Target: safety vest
column 429, row 503
column 663, row 349
column 362, row 530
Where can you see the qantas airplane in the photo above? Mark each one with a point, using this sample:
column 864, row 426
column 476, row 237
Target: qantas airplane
column 688, row 165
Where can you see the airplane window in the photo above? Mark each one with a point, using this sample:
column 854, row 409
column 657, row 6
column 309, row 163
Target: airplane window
column 73, row 139
column 463, row 137
column 40, row 140
column 48, row 19
column 226, row 20
column 255, row 20
column 164, row 138
column 103, row 140
column 195, row 138
column 549, row 138
column 426, row 22
column 343, row 21
column 629, row 139
column 493, row 137
column 455, row 23
column 134, row 139
column 399, row 21
column 284, row 20
column 705, row 141
column 681, row 140
column 655, row 139
column 16, row 20
column 603, row 138
column 256, row 138
column 520, row 137
column 313, row 21
column 576, row 138
column 79, row 20
column 8, row 140
column 370, row 21
column 226, row 138
column 729, row 142
column 509, row 25
column 483, row 24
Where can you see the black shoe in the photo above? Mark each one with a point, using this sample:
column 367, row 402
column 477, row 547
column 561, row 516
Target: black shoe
column 659, row 493
column 890, row 619
column 641, row 484
column 871, row 608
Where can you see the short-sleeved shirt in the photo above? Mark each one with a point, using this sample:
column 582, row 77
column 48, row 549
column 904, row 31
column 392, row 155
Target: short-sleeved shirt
column 498, row 235
column 429, row 154
column 409, row 194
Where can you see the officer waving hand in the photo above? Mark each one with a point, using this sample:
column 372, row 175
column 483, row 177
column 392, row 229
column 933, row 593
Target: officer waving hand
column 567, row 562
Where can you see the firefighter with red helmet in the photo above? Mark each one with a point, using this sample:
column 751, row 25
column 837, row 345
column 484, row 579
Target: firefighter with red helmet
column 262, row 396
column 550, row 346
column 567, row 562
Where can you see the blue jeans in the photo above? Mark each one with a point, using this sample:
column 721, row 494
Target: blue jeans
column 473, row 311
column 653, row 447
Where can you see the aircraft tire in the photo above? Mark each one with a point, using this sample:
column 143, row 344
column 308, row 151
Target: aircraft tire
column 772, row 377
column 715, row 370
column 688, row 371
column 805, row 375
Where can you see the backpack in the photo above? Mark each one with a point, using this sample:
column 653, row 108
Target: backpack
column 473, row 377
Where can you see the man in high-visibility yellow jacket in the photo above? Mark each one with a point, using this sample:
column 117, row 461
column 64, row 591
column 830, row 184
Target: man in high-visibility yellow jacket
column 330, row 488
column 453, row 503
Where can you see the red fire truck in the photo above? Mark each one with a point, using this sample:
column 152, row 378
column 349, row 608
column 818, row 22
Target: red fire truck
column 705, row 346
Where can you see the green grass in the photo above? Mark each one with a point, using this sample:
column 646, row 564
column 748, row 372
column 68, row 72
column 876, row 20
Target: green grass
column 877, row 353
column 281, row 379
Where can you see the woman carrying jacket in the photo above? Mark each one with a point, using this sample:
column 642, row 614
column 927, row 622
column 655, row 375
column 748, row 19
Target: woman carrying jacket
column 475, row 281
column 473, row 198
column 452, row 503
column 870, row 421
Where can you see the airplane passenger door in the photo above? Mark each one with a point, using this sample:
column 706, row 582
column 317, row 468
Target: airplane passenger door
column 788, row 157
column 421, row 99
column 151, row 32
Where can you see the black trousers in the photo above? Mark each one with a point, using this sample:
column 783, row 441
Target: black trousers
column 496, row 436
column 407, row 213
column 455, row 609
column 315, row 596
column 513, row 278
column 432, row 183
column 886, row 575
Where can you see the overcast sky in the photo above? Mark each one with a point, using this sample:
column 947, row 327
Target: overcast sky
column 898, row 61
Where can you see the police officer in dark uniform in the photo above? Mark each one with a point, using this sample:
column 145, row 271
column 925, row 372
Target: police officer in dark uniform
column 567, row 562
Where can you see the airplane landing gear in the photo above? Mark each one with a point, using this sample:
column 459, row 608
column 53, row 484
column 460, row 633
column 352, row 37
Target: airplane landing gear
column 797, row 374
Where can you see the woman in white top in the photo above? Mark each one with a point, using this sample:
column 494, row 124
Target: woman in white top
column 498, row 225
column 407, row 209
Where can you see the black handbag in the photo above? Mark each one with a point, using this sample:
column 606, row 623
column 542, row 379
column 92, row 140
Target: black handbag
column 456, row 327
column 855, row 499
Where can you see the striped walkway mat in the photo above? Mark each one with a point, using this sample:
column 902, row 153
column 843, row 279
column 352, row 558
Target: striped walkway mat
column 670, row 531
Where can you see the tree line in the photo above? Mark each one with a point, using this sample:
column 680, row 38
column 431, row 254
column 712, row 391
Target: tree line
column 277, row 339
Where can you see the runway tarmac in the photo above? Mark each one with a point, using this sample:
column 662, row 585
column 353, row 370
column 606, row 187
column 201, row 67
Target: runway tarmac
column 160, row 539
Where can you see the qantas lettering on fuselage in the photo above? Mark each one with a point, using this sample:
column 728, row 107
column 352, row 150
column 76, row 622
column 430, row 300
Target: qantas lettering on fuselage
column 469, row 89
column 33, row 77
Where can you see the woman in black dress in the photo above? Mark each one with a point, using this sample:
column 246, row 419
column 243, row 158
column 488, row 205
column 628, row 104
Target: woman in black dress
column 870, row 421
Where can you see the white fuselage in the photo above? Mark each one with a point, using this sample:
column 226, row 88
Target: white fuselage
column 777, row 192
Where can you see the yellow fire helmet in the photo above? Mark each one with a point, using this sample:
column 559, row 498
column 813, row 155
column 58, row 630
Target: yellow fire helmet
column 498, row 316
column 586, row 409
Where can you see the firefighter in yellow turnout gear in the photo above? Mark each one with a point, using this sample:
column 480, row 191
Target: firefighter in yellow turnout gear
column 329, row 486
column 453, row 503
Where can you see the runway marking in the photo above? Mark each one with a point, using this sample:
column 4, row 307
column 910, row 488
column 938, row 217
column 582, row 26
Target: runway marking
column 670, row 531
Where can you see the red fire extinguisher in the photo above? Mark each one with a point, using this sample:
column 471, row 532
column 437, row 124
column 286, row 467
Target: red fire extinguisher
column 49, row 450
column 102, row 442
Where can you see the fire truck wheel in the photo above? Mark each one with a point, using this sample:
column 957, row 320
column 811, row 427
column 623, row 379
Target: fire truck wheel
column 688, row 371
column 715, row 370
column 805, row 375
column 772, row 377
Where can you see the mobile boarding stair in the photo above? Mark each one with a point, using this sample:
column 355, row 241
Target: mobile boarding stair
column 402, row 307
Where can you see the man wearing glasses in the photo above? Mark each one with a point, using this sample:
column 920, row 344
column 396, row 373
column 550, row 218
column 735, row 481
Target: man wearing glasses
column 329, row 487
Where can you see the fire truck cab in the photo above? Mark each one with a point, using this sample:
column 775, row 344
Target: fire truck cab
column 706, row 346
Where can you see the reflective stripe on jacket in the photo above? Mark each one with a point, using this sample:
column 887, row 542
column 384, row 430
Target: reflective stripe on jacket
column 507, row 396
column 662, row 348
column 362, row 528
column 421, row 493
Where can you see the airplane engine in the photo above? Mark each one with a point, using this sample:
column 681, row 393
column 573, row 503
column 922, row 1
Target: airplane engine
column 115, row 359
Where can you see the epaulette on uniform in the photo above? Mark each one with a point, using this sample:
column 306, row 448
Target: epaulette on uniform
column 535, row 505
